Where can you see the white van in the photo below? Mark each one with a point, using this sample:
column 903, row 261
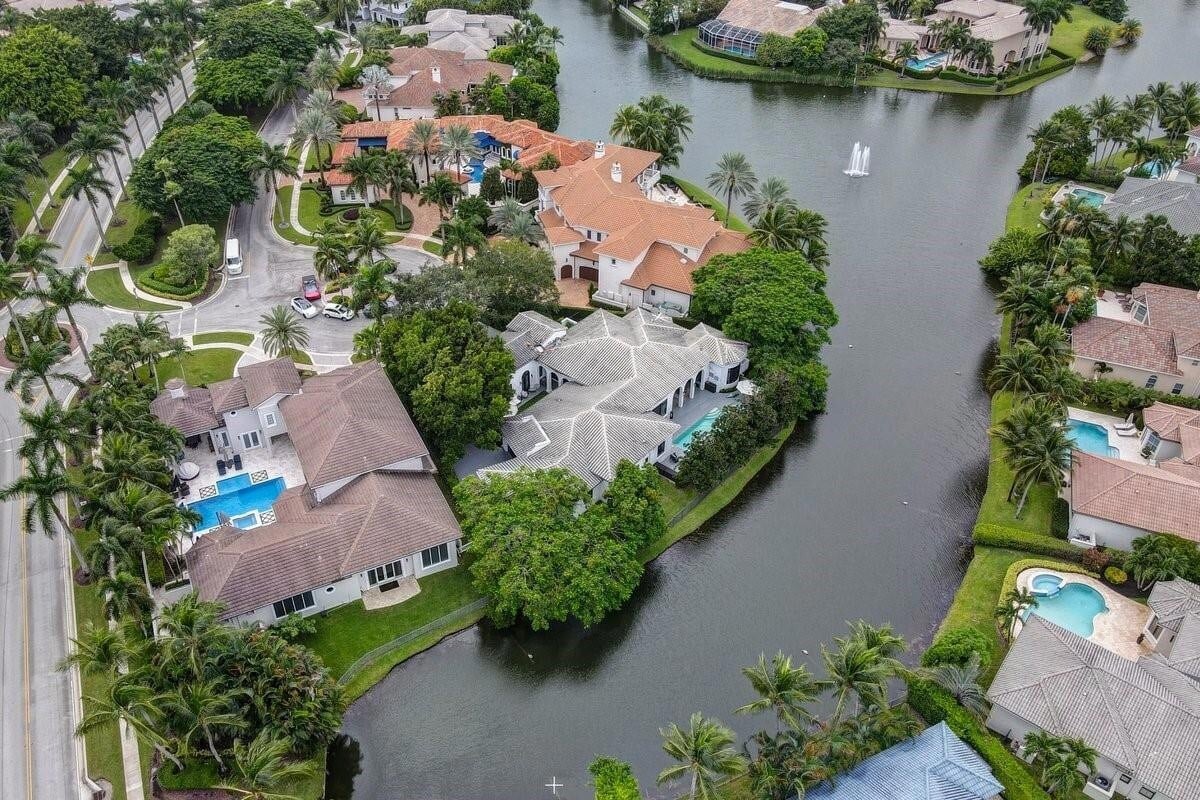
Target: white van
column 233, row 257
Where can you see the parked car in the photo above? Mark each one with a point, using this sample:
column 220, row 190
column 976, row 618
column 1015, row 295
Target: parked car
column 338, row 311
column 389, row 305
column 233, row 257
column 303, row 307
column 309, row 288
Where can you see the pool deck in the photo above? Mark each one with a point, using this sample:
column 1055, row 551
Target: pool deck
column 1069, row 187
column 695, row 408
column 281, row 461
column 1130, row 447
column 1118, row 628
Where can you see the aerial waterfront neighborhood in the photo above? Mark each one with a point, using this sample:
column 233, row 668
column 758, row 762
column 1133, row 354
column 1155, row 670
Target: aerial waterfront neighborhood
column 501, row 399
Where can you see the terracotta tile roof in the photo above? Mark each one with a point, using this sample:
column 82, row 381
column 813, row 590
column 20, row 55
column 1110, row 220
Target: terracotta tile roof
column 378, row 518
column 335, row 177
column 1174, row 309
column 456, row 73
column 769, row 16
column 586, row 250
column 191, row 413
column 369, row 130
column 228, row 395
column 347, row 422
column 1166, row 419
column 265, row 379
column 344, row 149
column 1191, row 165
column 1127, row 343
column 556, row 230
column 1140, row 496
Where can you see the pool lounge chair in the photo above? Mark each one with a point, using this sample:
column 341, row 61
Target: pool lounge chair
column 1125, row 429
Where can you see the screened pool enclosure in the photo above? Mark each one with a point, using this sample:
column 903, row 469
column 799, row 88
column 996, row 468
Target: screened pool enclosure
column 720, row 35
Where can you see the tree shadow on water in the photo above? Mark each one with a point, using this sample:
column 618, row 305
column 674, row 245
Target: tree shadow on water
column 344, row 764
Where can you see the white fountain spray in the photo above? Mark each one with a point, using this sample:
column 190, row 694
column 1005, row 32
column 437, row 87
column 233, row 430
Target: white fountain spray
column 860, row 161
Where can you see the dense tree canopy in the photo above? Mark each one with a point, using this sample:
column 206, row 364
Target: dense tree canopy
column 774, row 301
column 190, row 253
column 1011, row 250
column 108, row 40
column 536, row 556
column 45, row 71
column 633, row 503
column 210, row 157
column 451, row 374
column 236, row 82
column 266, row 28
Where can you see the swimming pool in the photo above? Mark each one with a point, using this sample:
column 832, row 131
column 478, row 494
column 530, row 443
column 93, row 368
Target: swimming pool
column 702, row 425
column 1092, row 198
column 239, row 499
column 475, row 169
column 927, row 63
column 1073, row 607
column 1090, row 438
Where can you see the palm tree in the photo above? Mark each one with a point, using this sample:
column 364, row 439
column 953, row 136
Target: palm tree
column 367, row 239
column 261, row 768
column 162, row 65
column 152, row 342
column 282, row 332
column 769, row 194
column 66, row 291
column 704, row 751
column 733, row 177
column 113, row 547
column 332, row 254
column 1041, row 459
column 191, row 627
column 783, row 689
column 323, row 72
column 1160, row 94
column 38, row 364
column 41, row 486
column 365, row 170
column 32, row 255
column 961, row 681
column 287, row 81
column 460, row 234
column 1018, row 371
column 810, row 227
column 92, row 141
column 369, row 288
column 523, row 228
column 1016, row 429
column 1044, row 747
column 130, row 701
column 442, row 191
column 905, row 53
column 126, row 597
column 318, row 127
column 654, row 124
column 398, row 177
column 458, row 142
column 1181, row 115
column 122, row 460
column 20, row 156
column 202, row 708
column 90, row 182
column 375, row 81
column 99, row 650
column 776, row 229
column 505, row 212
column 272, row 161
column 1012, row 609
column 1153, row 559
column 52, row 427
column 854, row 670
column 422, row 139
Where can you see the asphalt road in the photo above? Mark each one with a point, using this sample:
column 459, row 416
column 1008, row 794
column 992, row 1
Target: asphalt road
column 40, row 759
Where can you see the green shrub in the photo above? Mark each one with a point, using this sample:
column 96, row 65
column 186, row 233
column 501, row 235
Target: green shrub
column 137, row 249
column 613, row 779
column 153, row 282
column 1064, row 64
column 953, row 74
column 1060, row 519
column 1098, row 39
column 1095, row 559
column 1102, row 176
column 992, row 535
column 935, row 705
column 955, row 647
column 1115, row 575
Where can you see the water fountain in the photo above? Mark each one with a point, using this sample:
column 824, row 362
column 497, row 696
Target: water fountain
column 860, row 161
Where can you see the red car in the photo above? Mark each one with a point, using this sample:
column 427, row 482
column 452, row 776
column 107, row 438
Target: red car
column 309, row 288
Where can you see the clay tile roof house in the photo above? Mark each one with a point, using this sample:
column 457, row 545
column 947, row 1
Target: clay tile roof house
column 620, row 388
column 606, row 217
column 1156, row 343
column 361, row 517
column 452, row 29
column 1114, row 501
column 418, row 74
column 1177, row 200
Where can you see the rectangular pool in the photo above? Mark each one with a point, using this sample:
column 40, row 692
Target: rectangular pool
column 238, row 503
column 1093, row 199
column 702, row 425
column 1091, row 438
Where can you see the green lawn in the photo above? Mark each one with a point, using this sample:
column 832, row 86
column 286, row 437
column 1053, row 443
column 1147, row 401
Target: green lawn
column 54, row 163
column 106, row 286
column 204, row 775
column 198, row 367
column 1068, row 36
column 886, row 79
column 432, row 247
column 698, row 195
column 1025, row 209
column 300, row 357
column 681, row 48
column 217, row 337
column 996, row 509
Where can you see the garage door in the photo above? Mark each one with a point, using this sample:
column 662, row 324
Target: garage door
column 589, row 274
column 565, row 272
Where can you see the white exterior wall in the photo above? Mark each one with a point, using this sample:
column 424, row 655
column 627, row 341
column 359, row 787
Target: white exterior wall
column 239, row 421
column 1103, row 531
column 530, row 369
column 718, row 374
column 420, row 572
column 656, row 295
column 1165, row 449
column 327, row 597
column 1139, row 377
column 344, row 195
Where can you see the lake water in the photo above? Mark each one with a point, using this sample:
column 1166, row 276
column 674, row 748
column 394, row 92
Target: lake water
column 865, row 513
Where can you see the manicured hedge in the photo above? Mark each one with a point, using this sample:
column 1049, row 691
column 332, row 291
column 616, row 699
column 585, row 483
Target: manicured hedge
column 1066, row 63
column 952, row 74
column 956, row 645
column 1060, row 519
column 1017, row 567
column 935, row 705
column 1014, row 539
column 925, row 75
column 148, row 283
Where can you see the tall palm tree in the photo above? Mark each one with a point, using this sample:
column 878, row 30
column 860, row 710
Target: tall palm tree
column 376, row 80
column 261, row 768
column 458, row 142
column 189, row 628
column 122, row 460
column 21, row 156
column 202, row 708
column 112, row 549
column 323, row 72
column 271, row 161
column 1012, row 609
column 783, row 689
column 776, row 229
column 1052, row 344
column 287, row 81
column 332, row 255
column 365, row 171
column 906, row 52
column 160, row 61
column 1043, row 747
column 318, row 127
column 1018, row 371
column 152, row 342
column 1159, row 94
column 523, row 228
column 282, row 332
column 89, row 182
column 459, row 235
column 39, row 364
column 99, row 650
column 767, row 195
column 398, row 177
column 41, row 486
column 32, row 255
column 441, row 191
column 1042, row 459
column 367, row 239
column 810, row 227
column 126, row 597
column 94, row 142
column 704, row 752
column 654, row 124
column 423, row 140
column 369, row 288
column 66, row 291
column 127, row 699
column 961, row 681
column 733, row 177
column 53, row 430
column 1015, row 430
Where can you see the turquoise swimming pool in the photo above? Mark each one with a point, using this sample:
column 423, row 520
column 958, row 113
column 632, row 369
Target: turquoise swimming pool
column 1092, row 198
column 702, row 425
column 927, row 63
column 1073, row 605
column 1091, row 438
column 240, row 499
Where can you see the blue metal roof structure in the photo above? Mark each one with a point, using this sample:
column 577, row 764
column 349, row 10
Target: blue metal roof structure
column 936, row 765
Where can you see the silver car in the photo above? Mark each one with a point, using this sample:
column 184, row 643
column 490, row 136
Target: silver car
column 338, row 311
column 303, row 307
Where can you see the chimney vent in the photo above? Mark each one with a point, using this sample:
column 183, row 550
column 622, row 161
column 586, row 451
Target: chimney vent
column 176, row 387
column 616, row 172
column 599, row 150
column 436, row 74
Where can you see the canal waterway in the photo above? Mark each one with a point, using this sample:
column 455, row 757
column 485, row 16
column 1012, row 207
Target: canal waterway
column 866, row 513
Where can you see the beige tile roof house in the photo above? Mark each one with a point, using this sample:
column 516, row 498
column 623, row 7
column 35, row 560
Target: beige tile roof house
column 1157, row 345
column 472, row 34
column 1114, row 501
column 1002, row 24
column 419, row 74
column 188, row 409
column 369, row 517
column 1143, row 717
column 614, row 384
column 770, row 16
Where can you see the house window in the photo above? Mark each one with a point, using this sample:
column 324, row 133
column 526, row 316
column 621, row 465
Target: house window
column 1146, row 793
column 652, row 293
column 250, row 440
column 431, row 556
column 1177, row 389
column 1153, row 379
column 1125, row 778
column 1152, row 441
column 294, row 604
column 269, row 419
column 222, row 438
column 377, row 575
column 734, row 372
column 613, row 261
column 1139, row 313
